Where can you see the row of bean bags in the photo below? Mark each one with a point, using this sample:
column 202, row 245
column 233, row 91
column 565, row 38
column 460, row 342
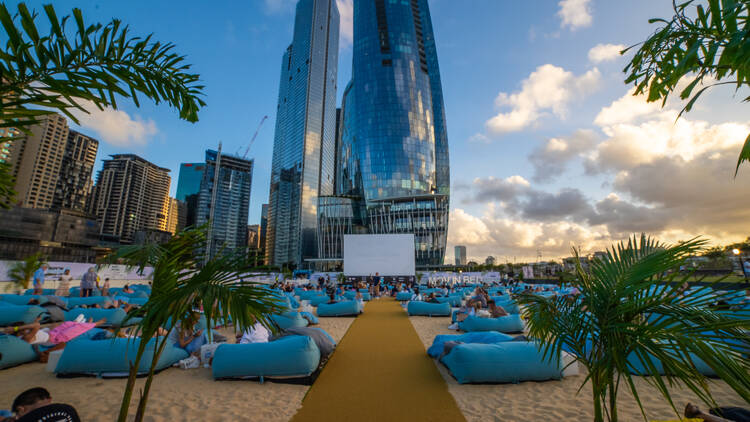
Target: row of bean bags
column 112, row 357
column 504, row 362
column 114, row 317
column 45, row 292
column 10, row 314
column 344, row 308
column 20, row 299
column 351, row 295
column 87, row 301
column 504, row 324
column 289, row 320
column 428, row 309
column 290, row 356
column 14, row 351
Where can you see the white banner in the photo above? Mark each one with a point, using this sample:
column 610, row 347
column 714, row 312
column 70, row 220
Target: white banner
column 56, row 268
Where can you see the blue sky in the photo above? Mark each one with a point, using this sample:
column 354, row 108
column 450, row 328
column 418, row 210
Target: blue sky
column 519, row 81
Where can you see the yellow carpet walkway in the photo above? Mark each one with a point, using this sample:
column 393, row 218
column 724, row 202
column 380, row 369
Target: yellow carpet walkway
column 380, row 372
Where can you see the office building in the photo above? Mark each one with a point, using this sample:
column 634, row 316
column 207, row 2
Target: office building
column 460, row 255
column 393, row 145
column 303, row 162
column 188, row 188
column 224, row 202
column 74, row 184
column 131, row 194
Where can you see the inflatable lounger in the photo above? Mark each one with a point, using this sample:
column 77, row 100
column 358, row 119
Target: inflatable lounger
column 505, row 324
column 21, row 299
column 428, row 309
column 345, row 308
column 112, row 357
column 404, row 296
column 317, row 300
column 45, row 292
column 289, row 320
column 14, row 351
column 512, row 361
column 92, row 300
column 290, row 356
column 451, row 300
column 19, row 313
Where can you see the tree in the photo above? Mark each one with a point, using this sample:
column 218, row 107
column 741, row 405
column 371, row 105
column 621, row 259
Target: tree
column 182, row 281
column 629, row 315
column 706, row 43
column 73, row 71
column 22, row 272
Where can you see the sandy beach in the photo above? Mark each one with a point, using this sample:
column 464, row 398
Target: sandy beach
column 177, row 394
column 554, row 400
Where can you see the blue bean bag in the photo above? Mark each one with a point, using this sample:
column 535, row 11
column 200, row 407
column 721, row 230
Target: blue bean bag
column 45, row 292
column 451, row 300
column 14, row 351
column 366, row 297
column 317, row 300
column 505, row 324
column 92, row 300
column 484, row 337
column 19, row 313
column 428, row 309
column 289, row 320
column 21, row 299
column 290, row 356
column 345, row 308
column 403, row 296
column 292, row 301
column 308, row 294
column 136, row 301
column 512, row 361
column 112, row 357
column 637, row 367
column 311, row 319
column 114, row 317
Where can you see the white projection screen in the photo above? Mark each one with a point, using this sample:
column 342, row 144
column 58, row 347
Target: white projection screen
column 386, row 254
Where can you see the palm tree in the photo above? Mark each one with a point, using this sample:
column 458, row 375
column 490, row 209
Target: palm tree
column 22, row 271
column 633, row 313
column 181, row 281
column 54, row 71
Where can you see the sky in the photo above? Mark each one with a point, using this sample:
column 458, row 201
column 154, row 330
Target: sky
column 549, row 149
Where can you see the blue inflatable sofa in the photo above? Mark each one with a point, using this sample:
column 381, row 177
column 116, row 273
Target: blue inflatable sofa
column 290, row 356
column 14, row 351
column 345, row 308
column 289, row 320
column 428, row 309
column 484, row 337
column 506, row 362
column 505, row 324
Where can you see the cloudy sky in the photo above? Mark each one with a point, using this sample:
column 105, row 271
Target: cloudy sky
column 549, row 148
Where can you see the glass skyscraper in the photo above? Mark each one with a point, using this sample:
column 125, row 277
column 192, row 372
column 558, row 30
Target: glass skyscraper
column 188, row 189
column 230, row 204
column 304, row 142
column 393, row 146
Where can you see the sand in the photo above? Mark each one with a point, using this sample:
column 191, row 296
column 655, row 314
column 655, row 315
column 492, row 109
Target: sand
column 177, row 395
column 554, row 400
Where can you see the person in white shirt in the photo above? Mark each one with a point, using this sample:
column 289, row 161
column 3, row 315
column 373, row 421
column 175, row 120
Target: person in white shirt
column 63, row 289
column 417, row 297
column 255, row 334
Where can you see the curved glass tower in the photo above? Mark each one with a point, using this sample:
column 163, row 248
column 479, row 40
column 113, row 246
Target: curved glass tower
column 304, row 142
column 393, row 150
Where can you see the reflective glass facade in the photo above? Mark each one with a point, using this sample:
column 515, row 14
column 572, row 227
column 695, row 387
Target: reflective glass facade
column 189, row 181
column 393, row 149
column 228, row 231
column 304, row 142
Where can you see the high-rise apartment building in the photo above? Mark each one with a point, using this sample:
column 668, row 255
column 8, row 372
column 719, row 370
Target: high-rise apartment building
column 36, row 161
column 304, row 142
column 393, row 147
column 188, row 188
column 177, row 216
column 131, row 194
column 224, row 202
column 460, row 255
column 74, row 184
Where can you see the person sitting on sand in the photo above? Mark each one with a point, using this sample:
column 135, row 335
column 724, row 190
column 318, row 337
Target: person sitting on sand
column 35, row 404
column 494, row 310
column 719, row 414
column 186, row 337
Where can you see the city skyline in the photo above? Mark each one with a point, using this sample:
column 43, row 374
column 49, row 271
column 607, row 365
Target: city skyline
column 532, row 174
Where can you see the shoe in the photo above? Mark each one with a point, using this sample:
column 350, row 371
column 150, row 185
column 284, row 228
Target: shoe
column 80, row 318
column 453, row 326
column 190, row 363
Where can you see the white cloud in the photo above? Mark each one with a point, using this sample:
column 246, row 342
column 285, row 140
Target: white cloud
column 626, row 109
column 547, row 88
column 575, row 13
column 116, row 127
column 346, row 11
column 605, row 52
column 551, row 158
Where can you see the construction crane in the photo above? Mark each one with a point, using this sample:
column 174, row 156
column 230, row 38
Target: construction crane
column 255, row 135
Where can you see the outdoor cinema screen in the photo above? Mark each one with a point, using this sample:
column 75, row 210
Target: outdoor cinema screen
column 386, row 254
